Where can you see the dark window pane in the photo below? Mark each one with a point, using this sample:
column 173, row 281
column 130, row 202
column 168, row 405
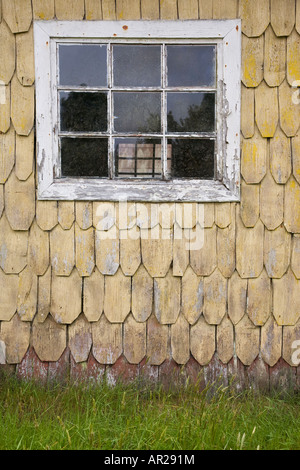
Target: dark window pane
column 191, row 112
column 139, row 157
column 191, row 65
column 192, row 158
column 83, row 112
column 137, row 66
column 82, row 65
column 137, row 112
column 84, row 157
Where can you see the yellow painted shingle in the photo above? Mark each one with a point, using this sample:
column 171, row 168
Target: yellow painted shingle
column 107, row 341
column 5, row 108
column 204, row 260
column 295, row 262
column 215, row 298
column 17, row 14
column 130, row 250
column 277, row 247
column 192, row 296
column 84, row 250
column 255, row 15
column 293, row 58
column 117, row 297
column 271, row 202
column 62, row 250
column 70, row 10
column 259, row 299
column 296, row 156
column 249, row 249
column 66, row 297
column 22, row 107
column 128, row 9
column 247, row 341
column 80, row 339
column 38, row 250
column 93, row 296
column 27, row 295
column 266, row 109
column 7, row 154
column 252, row 60
column 46, row 214
column 7, row 53
column 205, row 9
column 168, row 9
column 280, row 157
column 292, row 206
column 237, row 297
column 49, row 339
column 249, row 206
column 43, row 9
column 66, row 214
column 93, row 10
column 8, row 295
column 167, row 298
column 25, row 58
column 16, row 336
column 20, row 202
column 188, row 9
column 247, row 111
column 254, row 158
column 180, row 340
column 289, row 110
column 24, row 156
column 275, row 58
column 286, row 299
column 282, row 16
column 134, row 340
column 202, row 340
column 157, row 341
column 225, row 340
column 44, row 296
column 13, row 247
column 142, row 294
column 150, row 9
column 271, row 342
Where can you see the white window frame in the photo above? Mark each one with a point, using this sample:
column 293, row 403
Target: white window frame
column 226, row 34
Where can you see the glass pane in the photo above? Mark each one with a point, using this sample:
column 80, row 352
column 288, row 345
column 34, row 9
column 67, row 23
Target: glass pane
column 191, row 65
column 192, row 158
column 84, row 157
column 191, row 112
column 83, row 111
column 137, row 112
column 137, row 66
column 139, row 157
column 82, row 65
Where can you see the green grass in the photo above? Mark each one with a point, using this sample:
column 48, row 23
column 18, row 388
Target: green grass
column 140, row 418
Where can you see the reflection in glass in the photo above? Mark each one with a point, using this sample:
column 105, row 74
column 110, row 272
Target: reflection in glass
column 192, row 158
column 191, row 65
column 137, row 112
column 138, row 157
column 83, row 65
column 83, row 111
column 191, row 112
column 84, row 157
column 137, row 65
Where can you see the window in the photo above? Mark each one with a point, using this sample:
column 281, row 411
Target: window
column 138, row 111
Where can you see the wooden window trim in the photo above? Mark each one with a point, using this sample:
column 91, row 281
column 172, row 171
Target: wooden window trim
column 226, row 33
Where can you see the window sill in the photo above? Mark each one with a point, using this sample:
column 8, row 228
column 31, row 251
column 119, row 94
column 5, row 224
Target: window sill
column 154, row 191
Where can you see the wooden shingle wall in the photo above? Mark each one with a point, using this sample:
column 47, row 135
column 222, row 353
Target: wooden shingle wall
column 80, row 301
